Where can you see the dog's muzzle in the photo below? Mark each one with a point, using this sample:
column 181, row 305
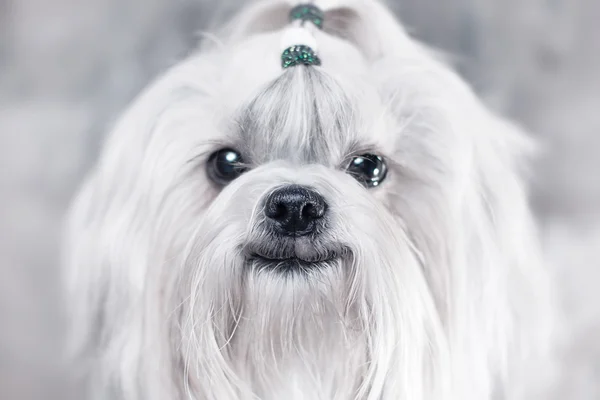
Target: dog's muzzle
column 292, row 236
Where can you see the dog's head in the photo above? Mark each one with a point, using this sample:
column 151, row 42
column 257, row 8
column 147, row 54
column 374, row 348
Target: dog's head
column 348, row 229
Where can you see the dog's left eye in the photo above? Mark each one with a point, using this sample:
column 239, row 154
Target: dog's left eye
column 224, row 166
column 368, row 169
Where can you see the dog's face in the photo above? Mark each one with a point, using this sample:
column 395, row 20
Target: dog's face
column 293, row 242
column 304, row 159
column 342, row 231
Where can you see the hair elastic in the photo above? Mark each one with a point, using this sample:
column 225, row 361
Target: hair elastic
column 297, row 55
column 308, row 12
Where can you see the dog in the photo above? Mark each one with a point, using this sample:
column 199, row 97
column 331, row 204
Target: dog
column 313, row 207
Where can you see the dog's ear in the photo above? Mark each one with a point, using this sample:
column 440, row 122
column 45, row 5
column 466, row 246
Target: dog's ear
column 461, row 168
column 107, row 259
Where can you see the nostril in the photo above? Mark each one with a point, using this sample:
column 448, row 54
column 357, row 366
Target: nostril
column 313, row 211
column 279, row 211
column 308, row 211
column 275, row 208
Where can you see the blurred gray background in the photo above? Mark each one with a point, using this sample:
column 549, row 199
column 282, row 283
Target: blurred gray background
column 67, row 67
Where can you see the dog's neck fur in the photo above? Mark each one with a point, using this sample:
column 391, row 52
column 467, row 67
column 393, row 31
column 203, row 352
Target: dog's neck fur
column 304, row 348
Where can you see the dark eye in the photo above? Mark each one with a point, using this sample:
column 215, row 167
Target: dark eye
column 369, row 169
column 224, row 166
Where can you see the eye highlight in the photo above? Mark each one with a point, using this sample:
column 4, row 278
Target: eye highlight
column 368, row 169
column 224, row 166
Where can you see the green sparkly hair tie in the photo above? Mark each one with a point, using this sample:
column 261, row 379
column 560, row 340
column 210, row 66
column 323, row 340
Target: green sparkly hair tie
column 297, row 55
column 308, row 12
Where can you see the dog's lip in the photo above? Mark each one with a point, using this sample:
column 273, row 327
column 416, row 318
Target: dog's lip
column 330, row 256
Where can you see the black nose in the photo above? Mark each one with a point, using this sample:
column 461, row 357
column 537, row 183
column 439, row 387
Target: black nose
column 294, row 210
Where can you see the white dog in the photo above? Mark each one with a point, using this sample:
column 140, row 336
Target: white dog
column 316, row 208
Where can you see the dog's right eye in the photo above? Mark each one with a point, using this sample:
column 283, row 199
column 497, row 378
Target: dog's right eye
column 224, row 166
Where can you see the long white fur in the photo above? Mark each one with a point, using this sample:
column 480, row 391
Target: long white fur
column 442, row 295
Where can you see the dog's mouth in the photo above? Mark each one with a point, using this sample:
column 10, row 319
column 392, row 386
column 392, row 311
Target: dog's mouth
column 293, row 263
column 286, row 255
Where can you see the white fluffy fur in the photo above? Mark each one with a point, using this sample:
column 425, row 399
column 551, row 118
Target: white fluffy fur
column 442, row 294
